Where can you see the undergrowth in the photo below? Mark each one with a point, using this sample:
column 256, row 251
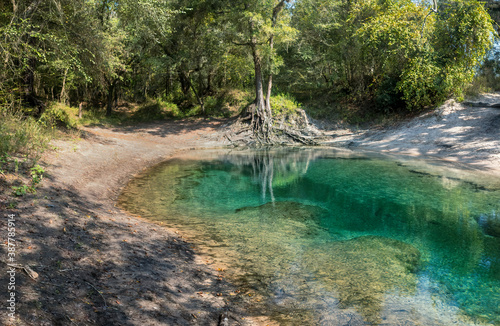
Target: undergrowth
column 22, row 142
column 283, row 105
column 23, row 136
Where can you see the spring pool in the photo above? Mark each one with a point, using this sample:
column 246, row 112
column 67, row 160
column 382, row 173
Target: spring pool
column 321, row 237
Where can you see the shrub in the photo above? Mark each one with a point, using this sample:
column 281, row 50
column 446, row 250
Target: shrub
column 22, row 135
column 60, row 115
column 227, row 103
column 156, row 110
column 283, row 104
column 417, row 66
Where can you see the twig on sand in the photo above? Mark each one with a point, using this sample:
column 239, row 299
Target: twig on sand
column 92, row 285
column 31, row 273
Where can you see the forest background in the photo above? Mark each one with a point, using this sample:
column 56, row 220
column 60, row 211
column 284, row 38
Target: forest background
column 66, row 63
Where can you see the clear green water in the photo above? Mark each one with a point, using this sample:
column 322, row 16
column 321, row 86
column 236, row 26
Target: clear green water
column 330, row 240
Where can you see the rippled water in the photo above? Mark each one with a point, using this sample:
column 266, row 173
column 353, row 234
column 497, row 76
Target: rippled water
column 324, row 238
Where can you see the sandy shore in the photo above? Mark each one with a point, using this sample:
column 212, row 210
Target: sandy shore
column 98, row 265
column 466, row 135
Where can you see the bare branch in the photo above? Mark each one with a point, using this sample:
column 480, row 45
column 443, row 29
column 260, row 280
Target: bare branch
column 433, row 9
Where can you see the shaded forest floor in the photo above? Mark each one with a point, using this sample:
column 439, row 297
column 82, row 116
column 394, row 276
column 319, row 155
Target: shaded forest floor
column 97, row 265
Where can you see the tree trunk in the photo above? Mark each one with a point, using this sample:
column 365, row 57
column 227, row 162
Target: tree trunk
column 111, row 90
column 117, row 90
column 167, row 83
column 62, row 97
column 261, row 117
column 14, row 7
column 80, row 110
column 30, row 95
column 259, row 89
column 184, row 80
column 270, row 80
column 198, row 98
column 29, row 79
column 276, row 12
column 209, row 89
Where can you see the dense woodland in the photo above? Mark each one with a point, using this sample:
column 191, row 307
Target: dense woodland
column 216, row 57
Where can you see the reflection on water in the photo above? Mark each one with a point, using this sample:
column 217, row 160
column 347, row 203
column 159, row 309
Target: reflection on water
column 334, row 239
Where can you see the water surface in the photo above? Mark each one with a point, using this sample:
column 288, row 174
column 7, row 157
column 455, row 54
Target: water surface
column 324, row 238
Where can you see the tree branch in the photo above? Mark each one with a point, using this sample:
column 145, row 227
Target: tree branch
column 277, row 9
column 247, row 44
column 433, row 9
column 14, row 7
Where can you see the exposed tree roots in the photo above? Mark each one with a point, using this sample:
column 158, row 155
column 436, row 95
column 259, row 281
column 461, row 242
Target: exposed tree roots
column 251, row 130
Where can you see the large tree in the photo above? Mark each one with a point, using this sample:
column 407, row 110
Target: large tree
column 258, row 25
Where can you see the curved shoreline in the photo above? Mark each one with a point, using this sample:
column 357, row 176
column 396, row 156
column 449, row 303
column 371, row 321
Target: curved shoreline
column 75, row 238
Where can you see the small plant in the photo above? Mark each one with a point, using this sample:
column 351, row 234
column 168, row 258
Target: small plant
column 4, row 159
column 36, row 175
column 21, row 190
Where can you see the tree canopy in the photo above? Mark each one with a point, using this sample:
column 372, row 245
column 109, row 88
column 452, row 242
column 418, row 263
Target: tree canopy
column 385, row 55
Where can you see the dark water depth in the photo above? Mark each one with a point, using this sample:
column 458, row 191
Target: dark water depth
column 327, row 239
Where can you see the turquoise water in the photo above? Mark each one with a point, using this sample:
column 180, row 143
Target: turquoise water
column 327, row 239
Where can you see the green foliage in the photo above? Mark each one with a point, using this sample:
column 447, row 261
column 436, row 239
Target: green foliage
column 228, row 102
column 22, row 135
column 60, row 115
column 95, row 116
column 156, row 110
column 436, row 62
column 376, row 54
column 459, row 53
column 21, row 190
column 36, row 175
column 283, row 104
column 381, row 54
column 418, row 84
